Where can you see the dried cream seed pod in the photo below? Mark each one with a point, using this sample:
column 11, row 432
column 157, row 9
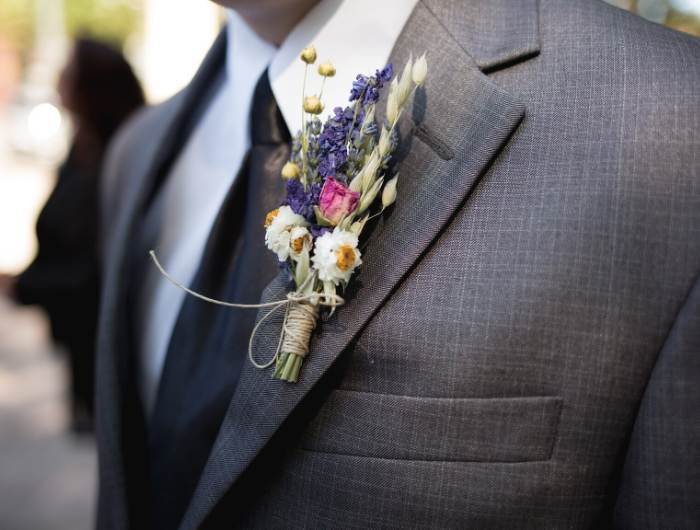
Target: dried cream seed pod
column 405, row 83
column 392, row 104
column 420, row 70
column 369, row 117
column 326, row 69
column 290, row 171
column 313, row 105
column 357, row 226
column 369, row 172
column 369, row 196
column 389, row 192
column 356, row 183
column 384, row 145
column 308, row 55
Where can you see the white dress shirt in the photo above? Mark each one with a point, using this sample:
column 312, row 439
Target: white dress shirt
column 356, row 35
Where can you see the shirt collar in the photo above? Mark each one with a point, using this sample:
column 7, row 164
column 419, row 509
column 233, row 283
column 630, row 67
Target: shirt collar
column 247, row 55
column 357, row 36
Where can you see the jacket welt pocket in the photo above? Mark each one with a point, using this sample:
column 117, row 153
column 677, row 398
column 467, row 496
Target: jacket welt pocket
column 520, row 429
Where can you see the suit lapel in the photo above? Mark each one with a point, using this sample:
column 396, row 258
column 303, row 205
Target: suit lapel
column 177, row 118
column 458, row 124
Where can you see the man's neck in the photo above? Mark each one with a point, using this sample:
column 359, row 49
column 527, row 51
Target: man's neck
column 273, row 25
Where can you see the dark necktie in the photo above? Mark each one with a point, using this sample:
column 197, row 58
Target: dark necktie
column 209, row 343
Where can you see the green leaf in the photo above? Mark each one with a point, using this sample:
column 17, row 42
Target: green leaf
column 301, row 270
column 320, row 219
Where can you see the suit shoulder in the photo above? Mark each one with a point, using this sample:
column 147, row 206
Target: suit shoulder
column 127, row 157
column 620, row 78
column 622, row 58
column 135, row 142
column 598, row 26
column 146, row 124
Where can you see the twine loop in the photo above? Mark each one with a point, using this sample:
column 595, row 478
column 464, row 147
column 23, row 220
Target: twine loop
column 300, row 317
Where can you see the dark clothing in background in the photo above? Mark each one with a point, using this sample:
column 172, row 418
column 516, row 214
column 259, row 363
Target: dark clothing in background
column 63, row 278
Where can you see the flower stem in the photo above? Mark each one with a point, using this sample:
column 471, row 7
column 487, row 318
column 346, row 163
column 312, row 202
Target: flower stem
column 279, row 364
column 354, row 118
column 398, row 114
column 303, row 98
column 376, row 214
column 304, row 140
column 288, row 367
column 323, row 84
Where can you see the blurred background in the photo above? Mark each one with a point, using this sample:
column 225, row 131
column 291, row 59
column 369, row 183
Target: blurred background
column 47, row 460
column 47, row 457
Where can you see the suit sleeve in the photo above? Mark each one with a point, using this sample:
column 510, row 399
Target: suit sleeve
column 660, row 484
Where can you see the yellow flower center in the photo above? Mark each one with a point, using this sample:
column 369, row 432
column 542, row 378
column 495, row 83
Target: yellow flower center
column 271, row 216
column 298, row 244
column 345, row 257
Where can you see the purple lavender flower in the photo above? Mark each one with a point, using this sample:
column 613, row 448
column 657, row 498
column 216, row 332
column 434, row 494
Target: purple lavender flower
column 332, row 150
column 358, row 87
column 370, row 85
column 302, row 201
column 318, row 231
column 344, row 125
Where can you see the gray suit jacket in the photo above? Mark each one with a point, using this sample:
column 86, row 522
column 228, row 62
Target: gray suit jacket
column 521, row 346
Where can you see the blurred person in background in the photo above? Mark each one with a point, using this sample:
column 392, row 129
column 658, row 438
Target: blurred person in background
column 99, row 90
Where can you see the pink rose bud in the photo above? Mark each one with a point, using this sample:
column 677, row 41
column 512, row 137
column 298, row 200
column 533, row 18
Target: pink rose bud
column 337, row 201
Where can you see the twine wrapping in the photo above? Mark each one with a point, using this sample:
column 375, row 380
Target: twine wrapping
column 299, row 324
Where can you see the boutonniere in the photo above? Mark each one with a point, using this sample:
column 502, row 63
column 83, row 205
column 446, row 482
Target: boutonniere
column 337, row 178
column 338, row 171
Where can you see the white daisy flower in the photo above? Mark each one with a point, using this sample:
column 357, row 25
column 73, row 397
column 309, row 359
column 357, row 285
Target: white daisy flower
column 336, row 256
column 280, row 223
column 299, row 241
